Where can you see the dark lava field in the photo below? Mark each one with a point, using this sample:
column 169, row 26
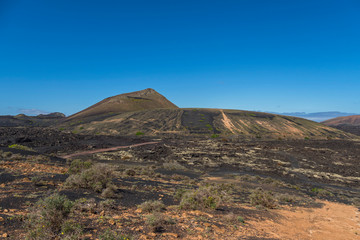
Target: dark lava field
column 256, row 185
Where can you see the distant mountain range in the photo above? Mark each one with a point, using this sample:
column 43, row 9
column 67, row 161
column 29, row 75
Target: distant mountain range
column 317, row 116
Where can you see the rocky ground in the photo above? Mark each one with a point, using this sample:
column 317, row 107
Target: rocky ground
column 204, row 188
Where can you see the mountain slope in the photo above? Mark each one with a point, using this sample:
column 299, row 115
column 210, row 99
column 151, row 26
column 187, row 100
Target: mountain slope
column 208, row 122
column 349, row 124
column 350, row 120
column 127, row 102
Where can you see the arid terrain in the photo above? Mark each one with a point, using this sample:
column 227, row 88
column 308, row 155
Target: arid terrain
column 135, row 166
column 178, row 187
column 349, row 124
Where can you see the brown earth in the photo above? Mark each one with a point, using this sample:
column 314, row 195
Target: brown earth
column 127, row 102
column 315, row 184
column 348, row 120
column 350, row 124
column 206, row 122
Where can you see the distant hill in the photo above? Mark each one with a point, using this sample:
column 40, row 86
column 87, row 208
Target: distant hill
column 349, row 124
column 349, row 120
column 127, row 102
column 208, row 122
column 316, row 116
column 22, row 120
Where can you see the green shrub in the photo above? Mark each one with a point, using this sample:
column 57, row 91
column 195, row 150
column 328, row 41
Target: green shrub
column 37, row 181
column 71, row 229
column 215, row 136
column 107, row 204
column 49, row 216
column 139, row 133
column 179, row 193
column 207, row 196
column 259, row 197
column 21, row 147
column 109, row 192
column 78, row 165
column 152, row 206
column 97, row 178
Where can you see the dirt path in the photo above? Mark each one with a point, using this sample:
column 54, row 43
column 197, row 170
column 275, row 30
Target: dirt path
column 227, row 122
column 107, row 149
column 333, row 221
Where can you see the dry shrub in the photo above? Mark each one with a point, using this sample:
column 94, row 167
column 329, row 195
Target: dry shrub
column 158, row 221
column 98, row 178
column 152, row 206
column 48, row 219
column 206, row 196
column 259, row 197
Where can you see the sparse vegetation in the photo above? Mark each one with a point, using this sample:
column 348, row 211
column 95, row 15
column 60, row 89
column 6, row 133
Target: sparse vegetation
column 48, row 219
column 77, row 166
column 321, row 192
column 206, row 196
column 98, row 178
column 233, row 219
column 111, row 235
column 152, row 206
column 21, row 147
column 173, row 166
column 263, row 198
column 158, row 221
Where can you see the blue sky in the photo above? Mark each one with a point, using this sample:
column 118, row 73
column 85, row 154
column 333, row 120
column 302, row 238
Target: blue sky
column 278, row 55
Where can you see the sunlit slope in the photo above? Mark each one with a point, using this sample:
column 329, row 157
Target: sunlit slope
column 127, row 102
column 209, row 122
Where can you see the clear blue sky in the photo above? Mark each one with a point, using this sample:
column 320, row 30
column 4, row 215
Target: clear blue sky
column 269, row 55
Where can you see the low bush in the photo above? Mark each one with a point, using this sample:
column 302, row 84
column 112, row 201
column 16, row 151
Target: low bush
column 259, row 197
column 6, row 154
column 77, row 166
column 48, row 219
column 206, row 196
column 158, row 221
column 152, row 206
column 21, row 147
column 98, row 178
column 174, row 166
column 107, row 204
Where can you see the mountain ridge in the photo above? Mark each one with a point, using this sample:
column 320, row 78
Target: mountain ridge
column 126, row 102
